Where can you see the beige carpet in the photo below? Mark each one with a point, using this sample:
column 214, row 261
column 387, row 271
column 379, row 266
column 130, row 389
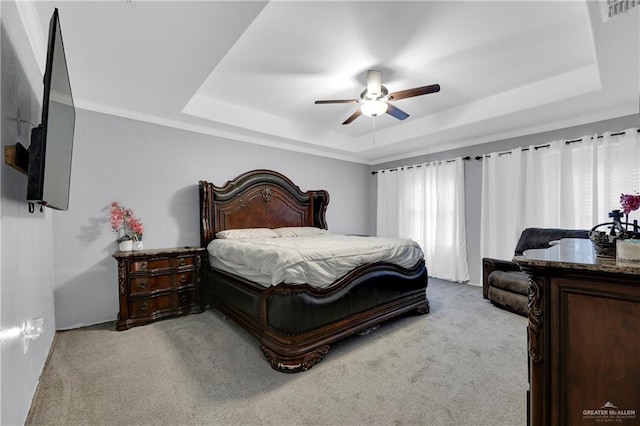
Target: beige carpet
column 462, row 364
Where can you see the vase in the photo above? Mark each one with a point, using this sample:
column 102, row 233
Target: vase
column 137, row 245
column 126, row 245
column 628, row 250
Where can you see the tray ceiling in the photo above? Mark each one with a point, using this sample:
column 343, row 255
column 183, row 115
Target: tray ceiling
column 251, row 70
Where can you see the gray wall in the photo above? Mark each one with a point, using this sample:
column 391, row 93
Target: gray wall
column 473, row 173
column 27, row 278
column 155, row 171
column 58, row 265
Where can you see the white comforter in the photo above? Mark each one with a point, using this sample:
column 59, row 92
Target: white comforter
column 317, row 260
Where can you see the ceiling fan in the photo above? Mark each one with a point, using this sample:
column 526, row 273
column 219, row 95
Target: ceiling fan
column 375, row 98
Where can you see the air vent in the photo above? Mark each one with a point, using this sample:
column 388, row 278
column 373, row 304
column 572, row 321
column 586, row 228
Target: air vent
column 612, row 8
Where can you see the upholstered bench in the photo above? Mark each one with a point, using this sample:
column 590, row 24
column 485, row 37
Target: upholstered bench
column 504, row 284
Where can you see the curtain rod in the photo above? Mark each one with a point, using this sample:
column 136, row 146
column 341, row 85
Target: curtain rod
column 417, row 165
column 480, row 157
column 569, row 142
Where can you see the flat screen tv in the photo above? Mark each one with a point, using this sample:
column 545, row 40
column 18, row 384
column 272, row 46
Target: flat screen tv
column 49, row 170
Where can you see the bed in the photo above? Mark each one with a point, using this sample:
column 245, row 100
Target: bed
column 297, row 322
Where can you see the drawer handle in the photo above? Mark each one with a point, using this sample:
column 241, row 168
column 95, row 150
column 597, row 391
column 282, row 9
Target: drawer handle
column 144, row 306
column 142, row 284
column 183, row 279
column 182, row 261
column 143, row 265
column 184, row 298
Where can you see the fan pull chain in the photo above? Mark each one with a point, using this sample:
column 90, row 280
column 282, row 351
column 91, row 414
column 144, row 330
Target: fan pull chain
column 374, row 130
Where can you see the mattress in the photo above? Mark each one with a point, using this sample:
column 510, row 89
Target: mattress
column 318, row 260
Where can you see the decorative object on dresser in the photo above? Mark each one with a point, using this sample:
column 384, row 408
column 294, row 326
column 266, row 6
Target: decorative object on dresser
column 584, row 336
column 504, row 284
column 297, row 323
column 604, row 236
column 628, row 250
column 154, row 284
column 605, row 242
column 128, row 227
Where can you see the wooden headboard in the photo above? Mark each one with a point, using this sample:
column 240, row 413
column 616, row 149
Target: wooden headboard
column 258, row 199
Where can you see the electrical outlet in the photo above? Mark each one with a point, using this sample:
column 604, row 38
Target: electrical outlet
column 33, row 328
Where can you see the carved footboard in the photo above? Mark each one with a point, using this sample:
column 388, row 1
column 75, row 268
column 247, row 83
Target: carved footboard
column 297, row 323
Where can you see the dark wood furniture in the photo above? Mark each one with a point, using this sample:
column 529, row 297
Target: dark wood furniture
column 296, row 324
column 584, row 336
column 155, row 284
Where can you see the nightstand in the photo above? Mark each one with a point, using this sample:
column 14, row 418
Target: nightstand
column 155, row 284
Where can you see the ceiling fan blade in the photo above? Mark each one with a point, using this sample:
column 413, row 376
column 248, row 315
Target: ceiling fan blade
column 337, row 101
column 396, row 112
column 353, row 116
column 409, row 93
column 374, row 83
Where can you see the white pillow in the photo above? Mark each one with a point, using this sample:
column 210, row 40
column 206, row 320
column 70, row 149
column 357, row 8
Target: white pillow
column 299, row 231
column 238, row 234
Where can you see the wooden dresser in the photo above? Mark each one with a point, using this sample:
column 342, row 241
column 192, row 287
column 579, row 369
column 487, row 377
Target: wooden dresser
column 154, row 284
column 584, row 336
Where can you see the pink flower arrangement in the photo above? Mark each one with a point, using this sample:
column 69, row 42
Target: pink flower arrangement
column 629, row 202
column 121, row 217
column 136, row 227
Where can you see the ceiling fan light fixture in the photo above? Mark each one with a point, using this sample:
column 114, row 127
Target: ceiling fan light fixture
column 375, row 99
column 373, row 108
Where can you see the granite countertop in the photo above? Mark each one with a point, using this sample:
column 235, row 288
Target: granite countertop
column 575, row 253
column 173, row 250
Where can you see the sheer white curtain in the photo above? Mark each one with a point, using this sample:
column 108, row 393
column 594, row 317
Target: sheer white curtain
column 558, row 185
column 426, row 204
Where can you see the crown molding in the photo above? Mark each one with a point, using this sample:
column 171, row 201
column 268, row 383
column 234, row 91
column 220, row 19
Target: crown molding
column 238, row 134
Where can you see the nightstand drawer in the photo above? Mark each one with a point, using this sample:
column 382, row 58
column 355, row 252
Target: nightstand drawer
column 141, row 286
column 159, row 264
column 155, row 306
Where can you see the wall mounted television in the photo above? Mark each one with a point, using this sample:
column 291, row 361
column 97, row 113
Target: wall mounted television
column 50, row 152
